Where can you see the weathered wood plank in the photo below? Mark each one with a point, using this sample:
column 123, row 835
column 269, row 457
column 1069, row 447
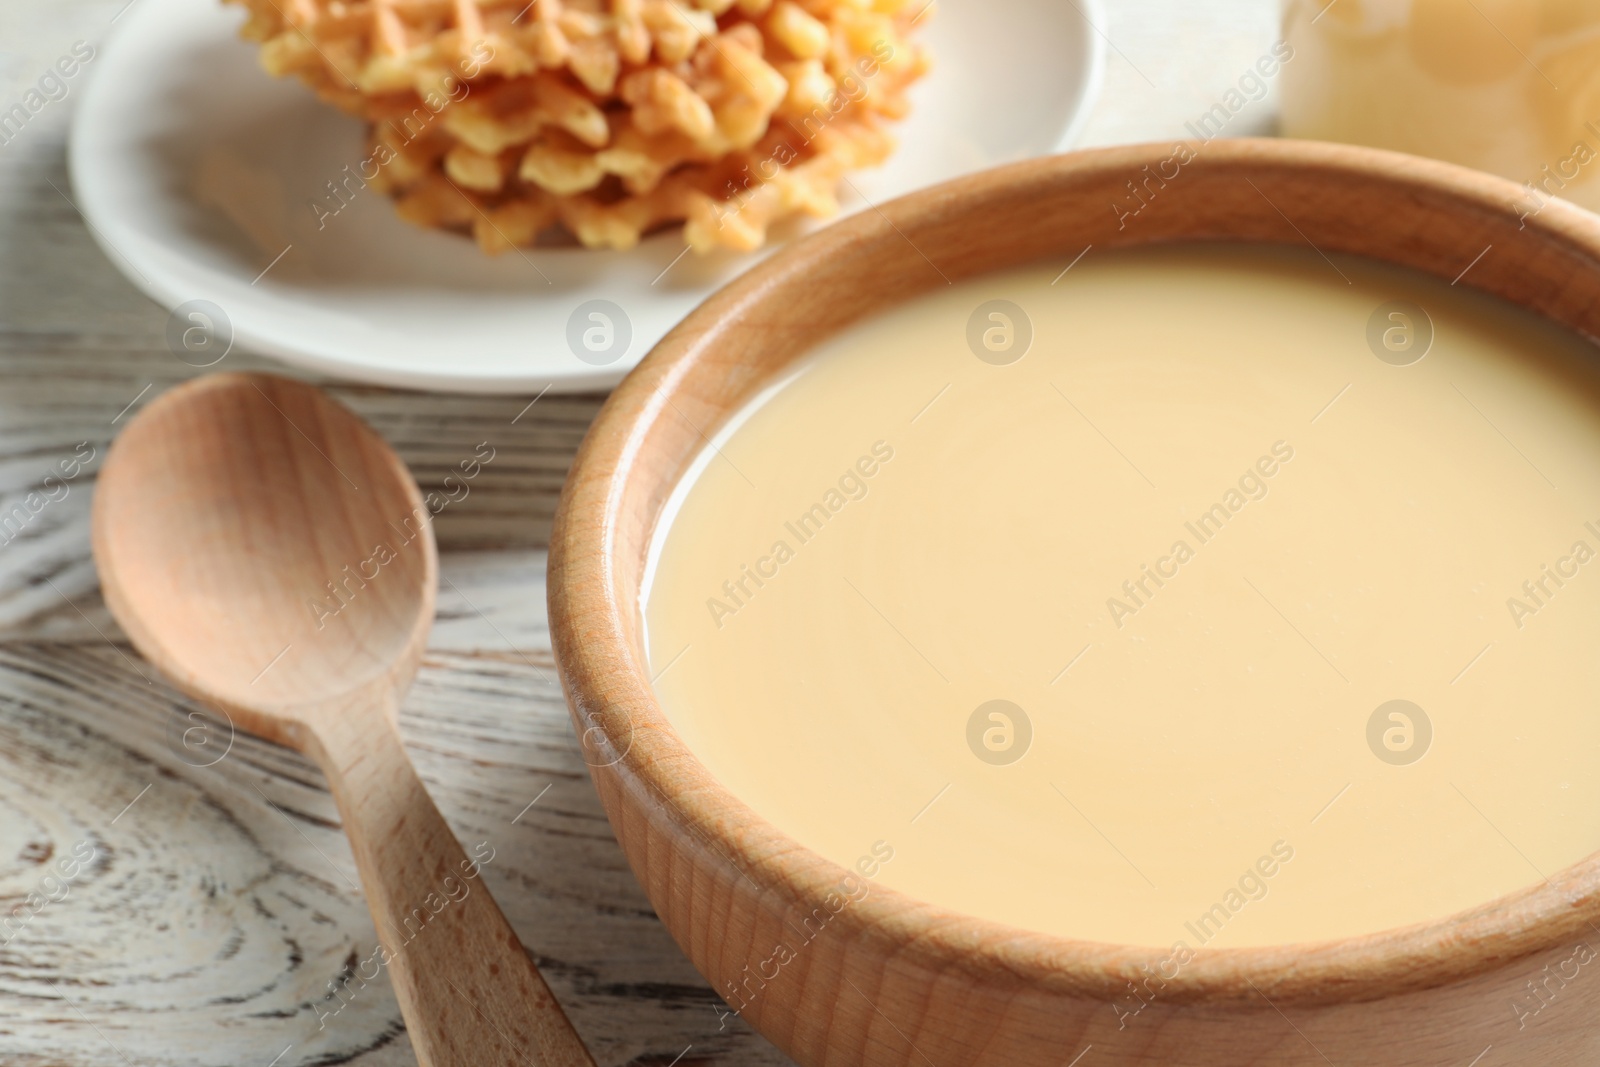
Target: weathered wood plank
column 213, row 914
column 216, row 910
column 215, row 902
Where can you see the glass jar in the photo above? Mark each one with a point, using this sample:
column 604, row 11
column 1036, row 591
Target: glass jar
column 1507, row 86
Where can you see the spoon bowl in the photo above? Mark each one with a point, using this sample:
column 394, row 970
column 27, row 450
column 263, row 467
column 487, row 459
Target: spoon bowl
column 269, row 552
column 271, row 555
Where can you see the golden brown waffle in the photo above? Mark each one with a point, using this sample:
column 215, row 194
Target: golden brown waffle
column 610, row 117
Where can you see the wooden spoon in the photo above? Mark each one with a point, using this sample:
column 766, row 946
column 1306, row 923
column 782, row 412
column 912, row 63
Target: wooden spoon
column 273, row 557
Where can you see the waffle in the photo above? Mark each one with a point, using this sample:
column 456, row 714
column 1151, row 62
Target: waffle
column 610, row 118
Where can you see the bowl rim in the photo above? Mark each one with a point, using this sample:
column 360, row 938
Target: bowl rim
column 609, row 687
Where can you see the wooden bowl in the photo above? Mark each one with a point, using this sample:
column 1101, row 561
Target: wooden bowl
column 895, row 981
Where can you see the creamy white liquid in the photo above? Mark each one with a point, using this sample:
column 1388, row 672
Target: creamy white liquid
column 1200, row 768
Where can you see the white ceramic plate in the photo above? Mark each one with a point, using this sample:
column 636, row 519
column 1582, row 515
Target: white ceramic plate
column 198, row 173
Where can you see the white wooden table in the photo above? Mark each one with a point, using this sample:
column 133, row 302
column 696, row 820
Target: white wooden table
column 222, row 900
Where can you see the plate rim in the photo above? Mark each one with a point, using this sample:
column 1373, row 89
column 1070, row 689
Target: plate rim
column 162, row 283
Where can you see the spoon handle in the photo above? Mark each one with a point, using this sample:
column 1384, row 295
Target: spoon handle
column 469, row 993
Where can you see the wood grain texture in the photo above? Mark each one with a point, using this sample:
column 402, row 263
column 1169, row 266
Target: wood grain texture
column 893, row 981
column 483, row 721
column 207, row 932
column 271, row 555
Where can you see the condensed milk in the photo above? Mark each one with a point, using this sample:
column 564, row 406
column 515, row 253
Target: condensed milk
column 1185, row 597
